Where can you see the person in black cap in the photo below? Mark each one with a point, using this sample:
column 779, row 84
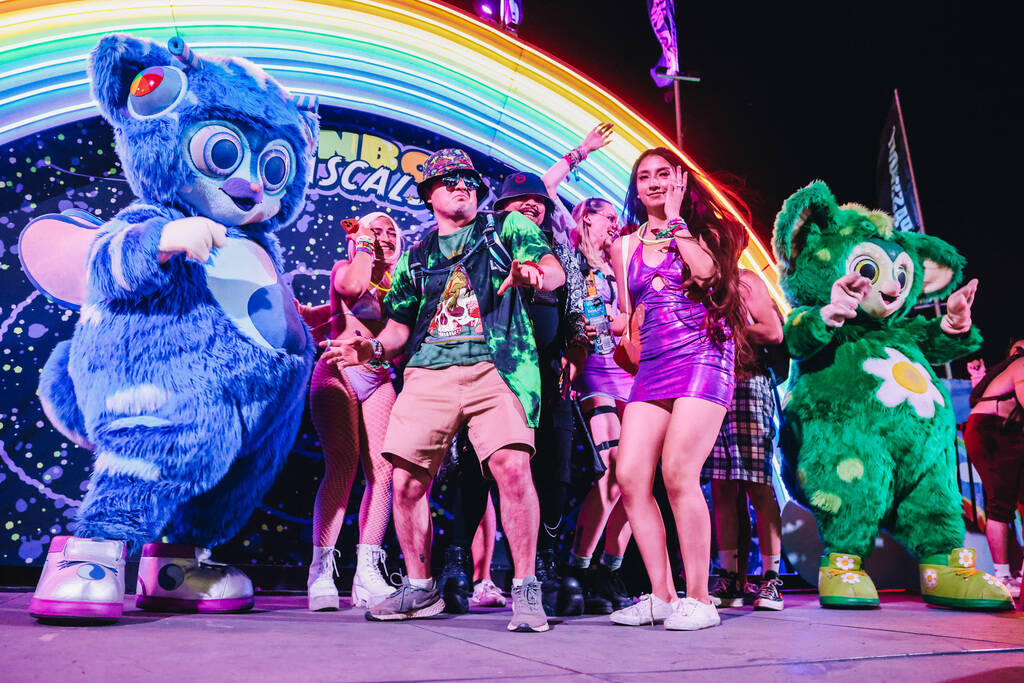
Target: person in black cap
column 456, row 308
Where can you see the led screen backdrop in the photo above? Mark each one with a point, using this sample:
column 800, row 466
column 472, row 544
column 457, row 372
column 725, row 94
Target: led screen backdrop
column 366, row 163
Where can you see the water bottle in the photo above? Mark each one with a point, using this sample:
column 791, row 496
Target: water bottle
column 597, row 316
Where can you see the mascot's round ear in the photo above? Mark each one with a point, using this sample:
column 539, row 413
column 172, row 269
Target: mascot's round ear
column 114, row 66
column 936, row 276
column 308, row 105
column 810, row 211
column 943, row 265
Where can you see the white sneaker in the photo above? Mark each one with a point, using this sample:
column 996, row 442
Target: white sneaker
column 320, row 587
column 1012, row 584
column 649, row 609
column 369, row 586
column 486, row 594
column 692, row 615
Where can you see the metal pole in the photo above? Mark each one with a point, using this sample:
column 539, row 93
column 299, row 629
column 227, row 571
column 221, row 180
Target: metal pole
column 679, row 114
column 917, row 203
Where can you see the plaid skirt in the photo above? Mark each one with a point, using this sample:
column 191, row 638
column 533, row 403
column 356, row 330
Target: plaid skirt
column 744, row 447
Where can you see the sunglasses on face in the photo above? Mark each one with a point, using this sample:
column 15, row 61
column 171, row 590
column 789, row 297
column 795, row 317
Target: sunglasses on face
column 451, row 180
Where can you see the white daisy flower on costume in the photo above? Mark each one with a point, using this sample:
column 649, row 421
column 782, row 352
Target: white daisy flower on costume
column 844, row 562
column 993, row 581
column 966, row 557
column 850, row 577
column 931, row 578
column 904, row 380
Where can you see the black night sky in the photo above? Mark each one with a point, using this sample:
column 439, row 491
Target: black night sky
column 791, row 92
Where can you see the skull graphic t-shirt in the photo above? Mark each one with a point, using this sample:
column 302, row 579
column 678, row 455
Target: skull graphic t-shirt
column 456, row 332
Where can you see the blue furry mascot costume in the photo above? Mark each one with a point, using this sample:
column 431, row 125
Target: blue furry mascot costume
column 188, row 366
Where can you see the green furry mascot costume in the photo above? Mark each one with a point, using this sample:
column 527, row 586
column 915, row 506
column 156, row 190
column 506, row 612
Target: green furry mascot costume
column 869, row 431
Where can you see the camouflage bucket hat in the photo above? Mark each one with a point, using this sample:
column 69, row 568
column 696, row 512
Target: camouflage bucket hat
column 445, row 161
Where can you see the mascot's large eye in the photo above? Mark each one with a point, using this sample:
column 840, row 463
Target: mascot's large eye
column 867, row 267
column 216, row 150
column 155, row 91
column 901, row 276
column 275, row 166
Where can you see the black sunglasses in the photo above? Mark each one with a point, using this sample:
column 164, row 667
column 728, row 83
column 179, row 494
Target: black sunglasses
column 451, row 180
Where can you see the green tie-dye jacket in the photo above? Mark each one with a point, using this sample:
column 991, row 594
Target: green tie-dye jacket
column 507, row 326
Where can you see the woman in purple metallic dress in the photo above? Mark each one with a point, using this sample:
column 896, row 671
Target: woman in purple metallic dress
column 680, row 268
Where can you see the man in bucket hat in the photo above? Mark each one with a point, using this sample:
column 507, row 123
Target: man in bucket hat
column 456, row 310
column 561, row 339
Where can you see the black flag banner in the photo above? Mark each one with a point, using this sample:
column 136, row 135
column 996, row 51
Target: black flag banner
column 897, row 192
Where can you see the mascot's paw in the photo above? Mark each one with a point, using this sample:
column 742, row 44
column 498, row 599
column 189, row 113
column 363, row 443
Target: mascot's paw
column 82, row 580
column 179, row 578
column 952, row 581
column 842, row 584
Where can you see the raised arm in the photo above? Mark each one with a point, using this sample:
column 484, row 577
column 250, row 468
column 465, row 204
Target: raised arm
column 350, row 279
column 600, row 136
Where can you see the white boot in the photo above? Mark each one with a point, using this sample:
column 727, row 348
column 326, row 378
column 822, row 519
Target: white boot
column 369, row 586
column 323, row 593
column 83, row 580
column 181, row 578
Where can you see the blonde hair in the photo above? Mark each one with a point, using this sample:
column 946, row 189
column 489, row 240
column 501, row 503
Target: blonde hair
column 582, row 239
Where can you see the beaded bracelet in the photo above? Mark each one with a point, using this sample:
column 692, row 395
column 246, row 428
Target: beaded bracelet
column 677, row 224
column 575, row 156
column 378, row 350
column 366, row 249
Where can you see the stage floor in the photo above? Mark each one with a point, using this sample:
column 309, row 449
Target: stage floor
column 281, row 641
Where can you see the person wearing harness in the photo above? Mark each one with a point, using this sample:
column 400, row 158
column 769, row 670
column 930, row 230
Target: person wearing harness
column 994, row 438
column 456, row 309
column 602, row 390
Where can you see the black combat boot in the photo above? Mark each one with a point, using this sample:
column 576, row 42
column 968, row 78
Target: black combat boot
column 456, row 588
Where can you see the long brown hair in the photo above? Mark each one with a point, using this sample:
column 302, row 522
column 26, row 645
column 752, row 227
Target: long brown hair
column 724, row 236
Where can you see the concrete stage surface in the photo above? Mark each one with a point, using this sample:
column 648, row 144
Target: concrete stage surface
column 281, row 641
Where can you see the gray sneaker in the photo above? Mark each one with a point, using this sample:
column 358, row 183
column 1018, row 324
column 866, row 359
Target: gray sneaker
column 527, row 610
column 408, row 602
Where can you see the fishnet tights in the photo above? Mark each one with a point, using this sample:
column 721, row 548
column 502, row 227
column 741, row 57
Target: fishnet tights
column 349, row 430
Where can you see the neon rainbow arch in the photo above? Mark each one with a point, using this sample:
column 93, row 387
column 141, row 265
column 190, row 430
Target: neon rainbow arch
column 416, row 61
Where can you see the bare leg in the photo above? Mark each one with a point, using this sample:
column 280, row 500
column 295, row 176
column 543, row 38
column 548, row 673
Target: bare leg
column 617, row 532
column 691, row 433
column 743, row 535
column 725, row 495
column 483, row 544
column 520, row 510
column 412, row 516
column 602, row 497
column 769, row 520
column 997, row 534
column 643, row 433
